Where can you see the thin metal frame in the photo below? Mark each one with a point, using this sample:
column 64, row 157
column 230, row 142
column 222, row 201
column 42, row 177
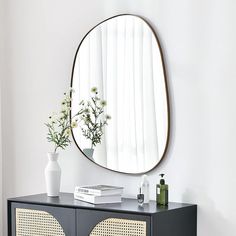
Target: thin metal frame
column 166, row 88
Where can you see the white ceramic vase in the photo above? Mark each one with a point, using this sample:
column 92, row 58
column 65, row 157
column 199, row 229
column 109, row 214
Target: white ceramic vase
column 53, row 175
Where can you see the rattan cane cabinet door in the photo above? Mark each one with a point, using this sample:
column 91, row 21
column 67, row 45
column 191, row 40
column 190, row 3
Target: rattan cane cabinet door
column 36, row 220
column 101, row 223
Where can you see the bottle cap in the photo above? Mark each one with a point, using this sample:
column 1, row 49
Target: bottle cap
column 162, row 181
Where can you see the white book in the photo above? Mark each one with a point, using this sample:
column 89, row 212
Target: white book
column 97, row 199
column 100, row 190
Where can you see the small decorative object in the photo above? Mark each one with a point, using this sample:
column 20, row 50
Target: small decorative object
column 140, row 197
column 145, row 188
column 94, row 199
column 98, row 194
column 162, row 192
column 91, row 114
column 59, row 132
column 100, row 190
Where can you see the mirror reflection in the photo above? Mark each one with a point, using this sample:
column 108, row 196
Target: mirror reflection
column 120, row 92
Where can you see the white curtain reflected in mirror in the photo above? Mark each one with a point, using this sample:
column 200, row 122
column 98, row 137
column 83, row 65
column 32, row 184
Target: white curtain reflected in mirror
column 122, row 59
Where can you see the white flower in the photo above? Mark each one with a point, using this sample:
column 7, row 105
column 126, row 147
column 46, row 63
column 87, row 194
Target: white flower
column 68, row 132
column 74, row 124
column 94, row 89
column 65, row 109
column 103, row 103
column 67, row 98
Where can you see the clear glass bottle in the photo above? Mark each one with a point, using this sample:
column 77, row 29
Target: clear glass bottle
column 140, row 197
column 145, row 188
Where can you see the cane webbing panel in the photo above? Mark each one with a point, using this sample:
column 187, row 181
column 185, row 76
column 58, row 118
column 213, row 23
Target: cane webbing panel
column 36, row 223
column 119, row 227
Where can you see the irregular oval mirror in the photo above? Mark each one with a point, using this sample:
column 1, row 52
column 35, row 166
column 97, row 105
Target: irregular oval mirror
column 121, row 96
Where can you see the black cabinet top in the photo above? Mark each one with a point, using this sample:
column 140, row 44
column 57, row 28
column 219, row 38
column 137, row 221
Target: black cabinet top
column 128, row 205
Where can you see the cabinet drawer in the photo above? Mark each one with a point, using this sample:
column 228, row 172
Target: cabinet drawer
column 34, row 220
column 105, row 223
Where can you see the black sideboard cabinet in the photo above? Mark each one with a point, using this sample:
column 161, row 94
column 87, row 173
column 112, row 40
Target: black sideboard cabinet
column 46, row 216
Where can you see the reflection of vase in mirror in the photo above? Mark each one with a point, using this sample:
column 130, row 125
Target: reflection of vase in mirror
column 122, row 58
column 92, row 120
column 88, row 152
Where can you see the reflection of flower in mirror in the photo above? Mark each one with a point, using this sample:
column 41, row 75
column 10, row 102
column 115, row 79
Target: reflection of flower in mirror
column 74, row 124
column 94, row 89
column 86, row 110
column 60, row 124
column 93, row 119
column 103, row 103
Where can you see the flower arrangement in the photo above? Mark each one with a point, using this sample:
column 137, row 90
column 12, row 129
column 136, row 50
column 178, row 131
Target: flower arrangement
column 93, row 119
column 60, row 124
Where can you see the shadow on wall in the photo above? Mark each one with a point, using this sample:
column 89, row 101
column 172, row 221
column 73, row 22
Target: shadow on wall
column 211, row 222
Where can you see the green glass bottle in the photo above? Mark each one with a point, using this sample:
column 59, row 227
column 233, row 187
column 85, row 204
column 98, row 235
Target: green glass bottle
column 162, row 192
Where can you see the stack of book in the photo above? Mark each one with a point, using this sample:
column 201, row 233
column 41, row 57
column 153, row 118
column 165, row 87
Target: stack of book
column 98, row 194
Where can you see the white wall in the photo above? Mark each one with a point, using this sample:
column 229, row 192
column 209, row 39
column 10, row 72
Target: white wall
column 1, row 78
column 198, row 39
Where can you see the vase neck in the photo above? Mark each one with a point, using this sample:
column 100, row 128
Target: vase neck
column 52, row 156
